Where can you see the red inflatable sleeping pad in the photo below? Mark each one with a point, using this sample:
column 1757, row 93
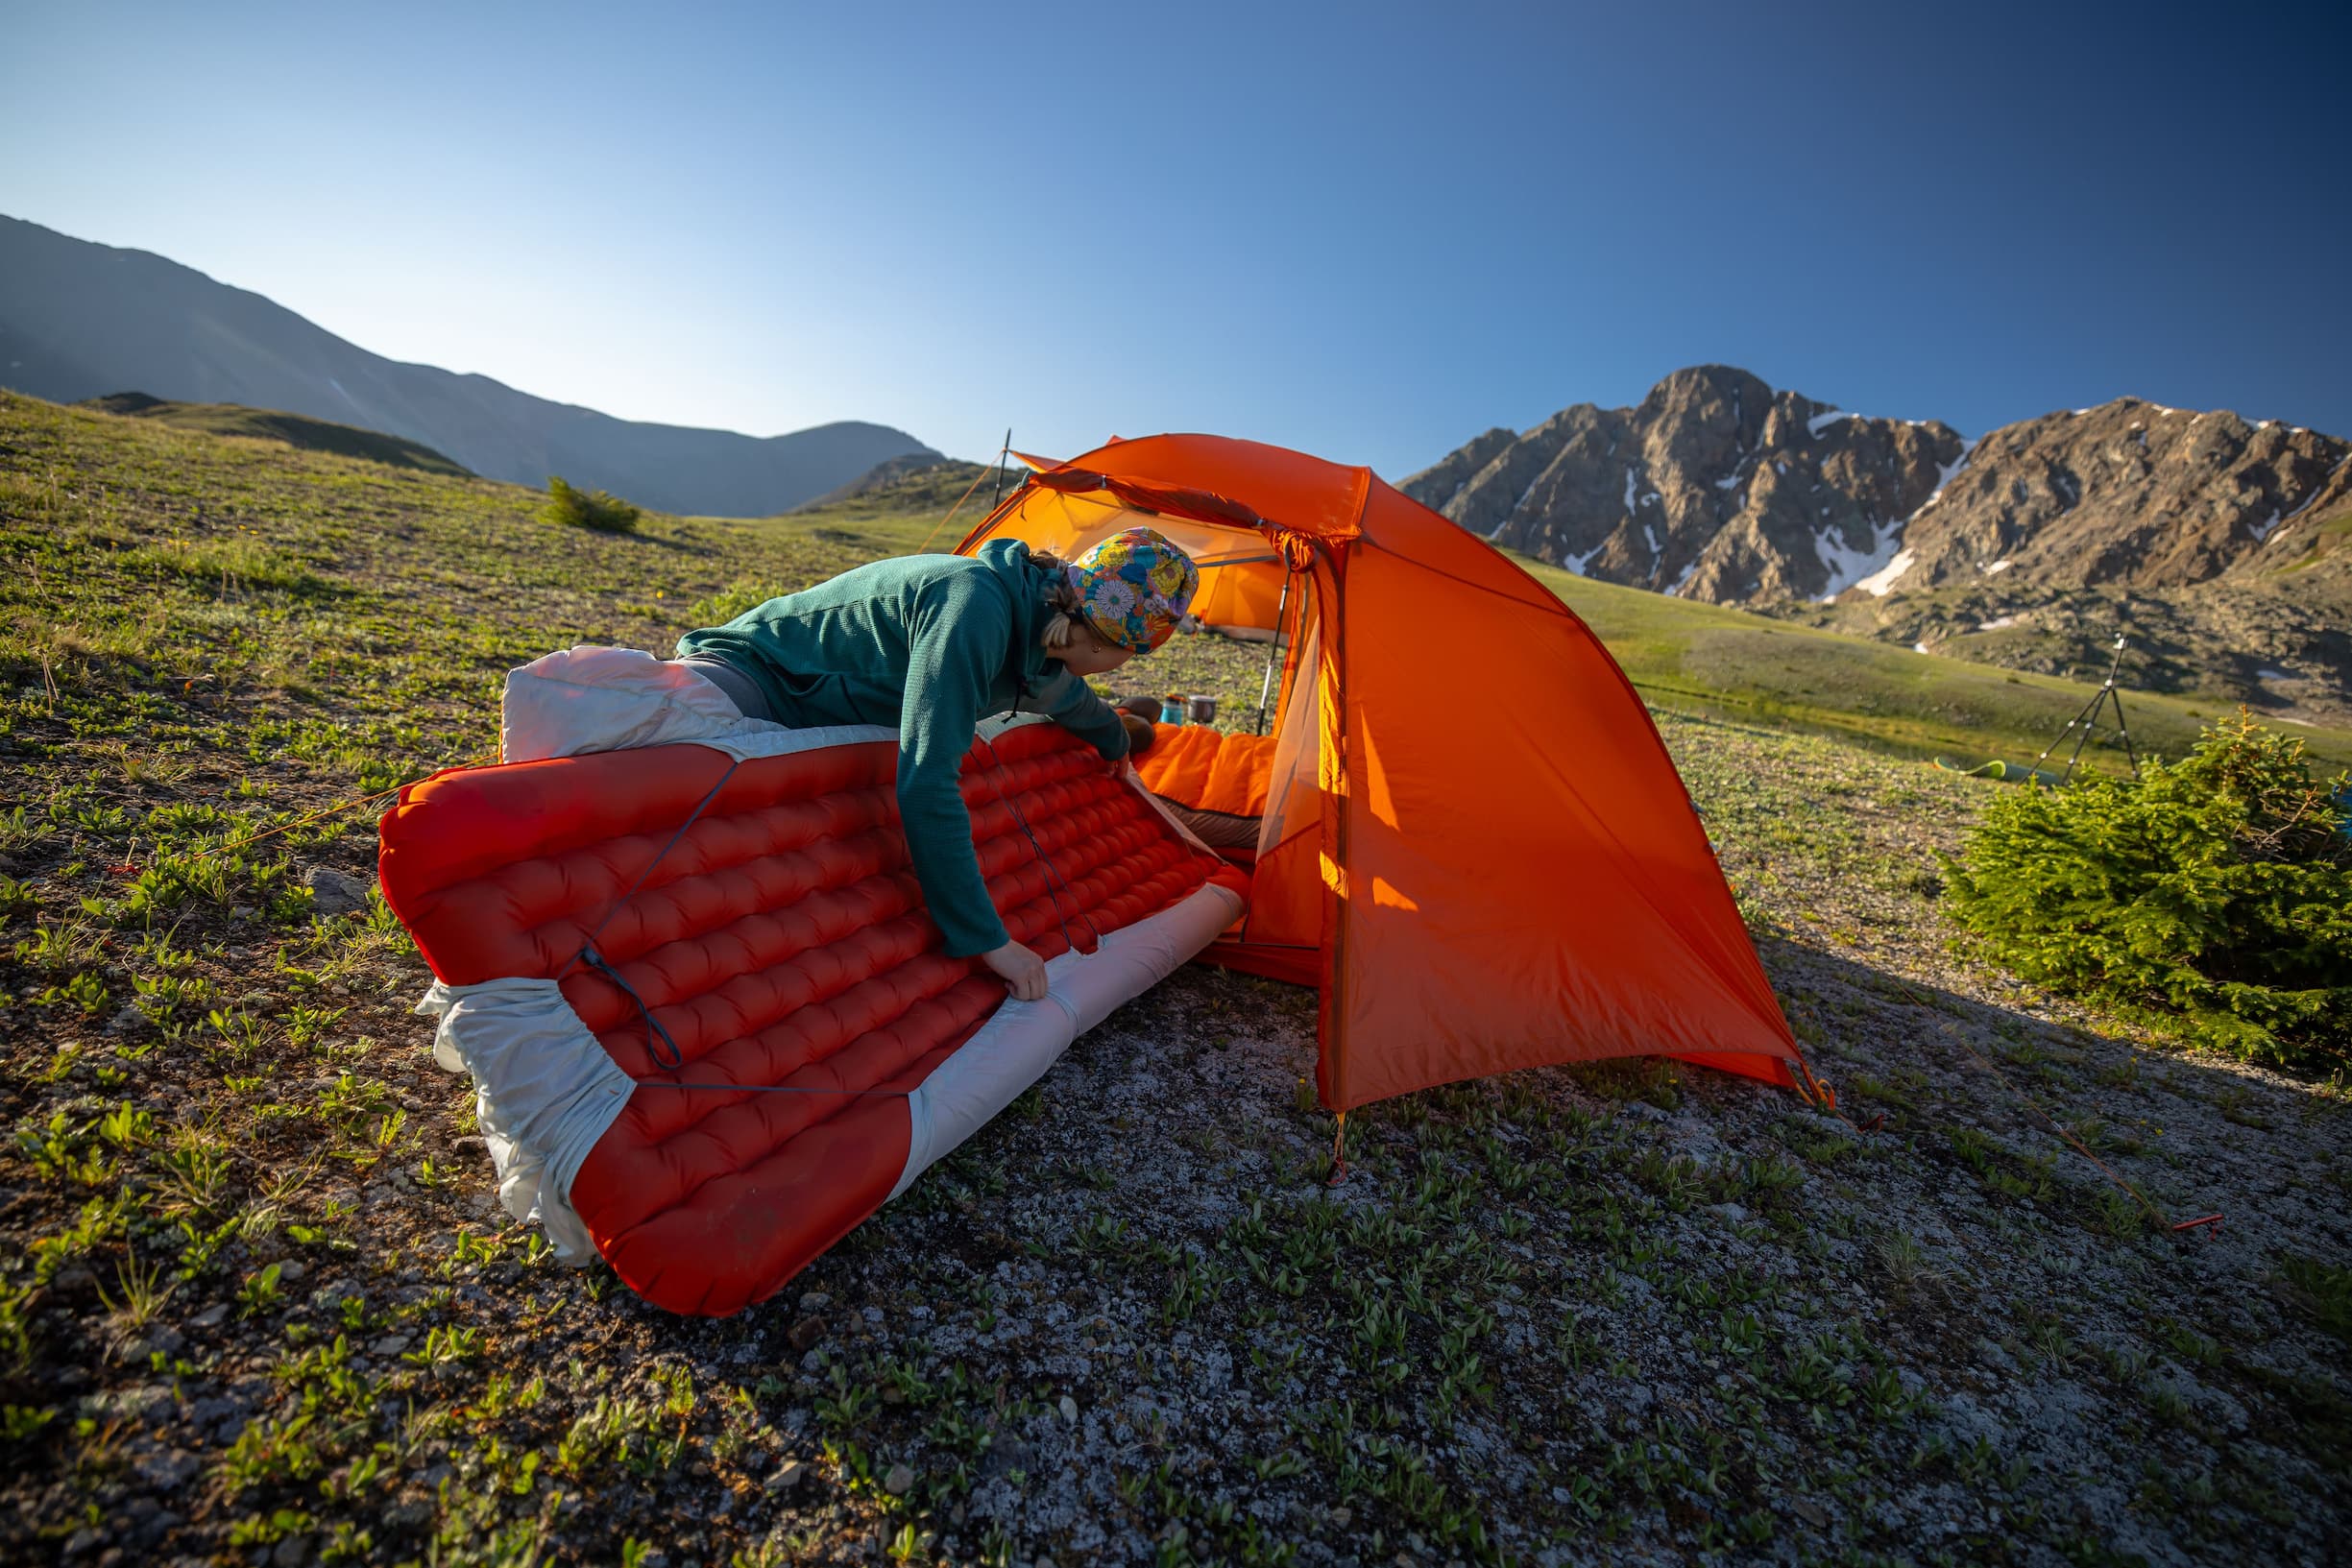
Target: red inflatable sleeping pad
column 781, row 941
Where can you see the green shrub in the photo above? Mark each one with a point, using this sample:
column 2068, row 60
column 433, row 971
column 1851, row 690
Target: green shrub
column 2214, row 892
column 601, row 509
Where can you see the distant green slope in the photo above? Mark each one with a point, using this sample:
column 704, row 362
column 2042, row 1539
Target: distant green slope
column 269, row 424
column 915, row 482
column 1709, row 659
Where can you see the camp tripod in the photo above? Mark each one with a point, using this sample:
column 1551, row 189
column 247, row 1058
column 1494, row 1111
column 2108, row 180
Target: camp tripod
column 2089, row 717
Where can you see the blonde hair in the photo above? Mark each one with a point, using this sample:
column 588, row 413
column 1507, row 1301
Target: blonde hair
column 1062, row 625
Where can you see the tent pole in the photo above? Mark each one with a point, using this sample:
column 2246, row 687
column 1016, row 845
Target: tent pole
column 998, row 494
column 1273, row 655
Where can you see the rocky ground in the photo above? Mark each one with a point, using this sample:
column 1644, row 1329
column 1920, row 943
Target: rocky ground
column 263, row 1307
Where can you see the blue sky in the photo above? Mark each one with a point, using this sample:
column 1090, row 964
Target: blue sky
column 1366, row 232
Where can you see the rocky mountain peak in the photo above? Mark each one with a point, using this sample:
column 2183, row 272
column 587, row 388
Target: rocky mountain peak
column 2130, row 493
column 1716, row 486
column 2211, row 538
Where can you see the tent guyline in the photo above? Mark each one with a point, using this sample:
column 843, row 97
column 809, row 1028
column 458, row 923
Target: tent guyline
column 2208, row 1224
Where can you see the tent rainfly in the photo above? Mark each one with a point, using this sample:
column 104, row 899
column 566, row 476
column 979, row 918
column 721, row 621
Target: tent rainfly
column 1474, row 843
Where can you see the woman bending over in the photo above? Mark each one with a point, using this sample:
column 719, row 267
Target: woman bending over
column 932, row 645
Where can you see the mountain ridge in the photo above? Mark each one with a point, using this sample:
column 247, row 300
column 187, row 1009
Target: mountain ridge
column 274, row 425
column 79, row 320
column 2206, row 527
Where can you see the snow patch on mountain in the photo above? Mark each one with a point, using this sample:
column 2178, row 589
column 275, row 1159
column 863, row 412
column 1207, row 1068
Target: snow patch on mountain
column 1847, row 566
column 1881, row 582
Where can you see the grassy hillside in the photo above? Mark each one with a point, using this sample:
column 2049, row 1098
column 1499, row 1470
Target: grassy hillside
column 270, row 424
column 916, row 484
column 257, row 1302
column 1709, row 659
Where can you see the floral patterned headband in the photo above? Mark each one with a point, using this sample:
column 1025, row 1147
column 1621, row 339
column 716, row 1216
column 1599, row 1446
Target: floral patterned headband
column 1134, row 586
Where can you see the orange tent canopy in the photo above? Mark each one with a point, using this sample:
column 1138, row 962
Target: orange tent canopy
column 1475, row 845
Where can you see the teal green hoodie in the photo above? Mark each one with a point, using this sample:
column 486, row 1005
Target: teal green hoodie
column 931, row 644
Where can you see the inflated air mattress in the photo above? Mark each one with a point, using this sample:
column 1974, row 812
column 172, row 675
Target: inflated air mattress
column 709, row 1024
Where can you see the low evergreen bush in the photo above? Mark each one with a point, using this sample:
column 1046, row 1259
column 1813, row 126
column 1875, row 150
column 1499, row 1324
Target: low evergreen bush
column 597, row 509
column 2214, row 894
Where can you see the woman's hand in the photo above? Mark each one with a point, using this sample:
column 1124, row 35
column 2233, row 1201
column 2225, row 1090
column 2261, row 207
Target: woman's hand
column 1020, row 969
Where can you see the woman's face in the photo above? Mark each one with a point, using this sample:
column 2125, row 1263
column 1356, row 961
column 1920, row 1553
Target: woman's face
column 1090, row 653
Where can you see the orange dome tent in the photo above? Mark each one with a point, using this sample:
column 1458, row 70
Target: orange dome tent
column 1474, row 843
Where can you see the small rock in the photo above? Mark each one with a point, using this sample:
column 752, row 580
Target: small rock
column 807, row 1331
column 898, row 1480
column 291, row 1553
column 292, row 1268
column 331, row 893
column 390, row 1344
column 210, row 1317
column 791, row 1476
column 1732, row 1211
column 1069, row 1408
column 1342, row 1516
column 1810, row 1513
column 813, row 1301
column 469, row 1147
column 1043, row 1561
column 165, row 1469
column 224, row 1410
